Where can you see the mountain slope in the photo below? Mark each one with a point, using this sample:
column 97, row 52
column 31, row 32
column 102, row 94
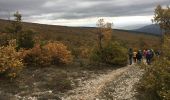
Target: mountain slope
column 152, row 29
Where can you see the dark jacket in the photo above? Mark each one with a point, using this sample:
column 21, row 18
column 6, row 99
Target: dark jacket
column 130, row 53
column 139, row 55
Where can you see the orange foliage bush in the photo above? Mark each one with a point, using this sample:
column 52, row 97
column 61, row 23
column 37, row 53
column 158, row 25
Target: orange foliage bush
column 58, row 52
column 51, row 53
column 10, row 60
column 36, row 57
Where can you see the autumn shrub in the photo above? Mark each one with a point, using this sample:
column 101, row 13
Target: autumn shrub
column 84, row 52
column 112, row 53
column 36, row 57
column 58, row 52
column 48, row 54
column 4, row 39
column 155, row 84
column 10, row 60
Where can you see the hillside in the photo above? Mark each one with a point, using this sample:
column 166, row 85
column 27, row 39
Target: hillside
column 150, row 29
column 85, row 36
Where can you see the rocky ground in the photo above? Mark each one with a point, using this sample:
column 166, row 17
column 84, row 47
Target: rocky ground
column 116, row 85
column 73, row 84
column 123, row 87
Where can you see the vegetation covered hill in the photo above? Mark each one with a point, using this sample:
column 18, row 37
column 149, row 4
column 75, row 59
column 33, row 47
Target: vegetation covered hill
column 85, row 36
column 152, row 29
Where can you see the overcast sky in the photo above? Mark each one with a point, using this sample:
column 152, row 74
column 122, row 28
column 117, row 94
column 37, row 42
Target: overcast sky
column 122, row 13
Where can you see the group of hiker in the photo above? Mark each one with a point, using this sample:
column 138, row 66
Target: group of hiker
column 142, row 55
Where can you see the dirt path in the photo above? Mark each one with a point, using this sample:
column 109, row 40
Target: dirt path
column 108, row 84
column 123, row 87
column 115, row 85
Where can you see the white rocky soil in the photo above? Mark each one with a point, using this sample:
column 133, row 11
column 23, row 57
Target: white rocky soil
column 115, row 85
column 111, row 84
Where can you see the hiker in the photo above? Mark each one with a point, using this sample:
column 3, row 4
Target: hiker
column 130, row 56
column 144, row 53
column 134, row 56
column 152, row 53
column 157, row 53
column 139, row 56
column 148, row 57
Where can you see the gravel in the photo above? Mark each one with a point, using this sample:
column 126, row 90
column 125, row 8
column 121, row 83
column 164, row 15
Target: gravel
column 123, row 88
column 115, row 85
column 112, row 84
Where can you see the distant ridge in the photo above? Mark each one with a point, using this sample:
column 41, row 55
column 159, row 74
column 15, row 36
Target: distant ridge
column 41, row 28
column 150, row 29
column 65, row 29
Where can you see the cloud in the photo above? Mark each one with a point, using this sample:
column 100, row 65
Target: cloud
column 81, row 8
column 36, row 10
column 119, row 22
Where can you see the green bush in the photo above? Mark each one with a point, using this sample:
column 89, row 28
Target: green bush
column 155, row 84
column 112, row 53
column 25, row 39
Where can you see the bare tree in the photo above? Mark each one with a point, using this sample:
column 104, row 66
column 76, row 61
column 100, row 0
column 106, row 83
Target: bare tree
column 104, row 32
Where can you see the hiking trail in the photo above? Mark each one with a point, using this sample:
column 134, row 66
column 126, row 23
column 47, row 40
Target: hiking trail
column 115, row 85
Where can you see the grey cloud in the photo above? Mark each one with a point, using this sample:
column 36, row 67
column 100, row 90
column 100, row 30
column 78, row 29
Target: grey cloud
column 76, row 9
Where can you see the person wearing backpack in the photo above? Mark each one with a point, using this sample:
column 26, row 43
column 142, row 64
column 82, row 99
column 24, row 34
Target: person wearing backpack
column 152, row 53
column 139, row 56
column 144, row 55
column 130, row 56
column 158, row 53
column 148, row 57
column 134, row 56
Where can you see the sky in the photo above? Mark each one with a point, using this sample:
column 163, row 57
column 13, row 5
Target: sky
column 124, row 14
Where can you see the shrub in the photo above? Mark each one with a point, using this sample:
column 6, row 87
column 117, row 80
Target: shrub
column 25, row 39
column 51, row 53
column 10, row 60
column 83, row 52
column 36, row 57
column 58, row 52
column 75, row 51
column 113, row 53
column 4, row 39
column 155, row 83
column 166, row 48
